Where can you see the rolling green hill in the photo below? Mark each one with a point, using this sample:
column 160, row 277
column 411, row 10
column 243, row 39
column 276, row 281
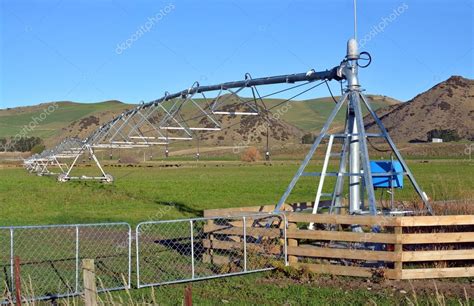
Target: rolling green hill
column 310, row 115
column 56, row 120
column 58, row 115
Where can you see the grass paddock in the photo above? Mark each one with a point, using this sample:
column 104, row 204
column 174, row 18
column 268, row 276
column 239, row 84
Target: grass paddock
column 184, row 190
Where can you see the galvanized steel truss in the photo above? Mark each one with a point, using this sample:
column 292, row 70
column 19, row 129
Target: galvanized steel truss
column 163, row 121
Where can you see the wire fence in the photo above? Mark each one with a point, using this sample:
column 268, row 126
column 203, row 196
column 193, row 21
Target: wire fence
column 195, row 249
column 50, row 258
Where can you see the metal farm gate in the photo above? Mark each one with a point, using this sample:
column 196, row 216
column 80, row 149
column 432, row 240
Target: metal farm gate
column 166, row 252
column 202, row 248
column 50, row 258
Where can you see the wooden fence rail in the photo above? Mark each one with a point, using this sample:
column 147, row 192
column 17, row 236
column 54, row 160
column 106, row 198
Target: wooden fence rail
column 399, row 247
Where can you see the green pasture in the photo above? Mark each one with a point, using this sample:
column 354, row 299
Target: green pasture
column 157, row 193
column 185, row 189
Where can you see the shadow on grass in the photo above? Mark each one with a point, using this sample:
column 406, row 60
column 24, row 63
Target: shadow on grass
column 181, row 207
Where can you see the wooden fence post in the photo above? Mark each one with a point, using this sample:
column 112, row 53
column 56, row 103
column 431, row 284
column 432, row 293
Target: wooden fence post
column 208, row 256
column 398, row 249
column 90, row 286
column 188, row 296
column 292, row 243
column 17, row 281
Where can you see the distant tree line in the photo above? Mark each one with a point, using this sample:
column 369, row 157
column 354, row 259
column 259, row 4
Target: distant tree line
column 22, row 144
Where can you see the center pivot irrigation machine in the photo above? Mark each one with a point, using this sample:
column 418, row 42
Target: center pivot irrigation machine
column 183, row 115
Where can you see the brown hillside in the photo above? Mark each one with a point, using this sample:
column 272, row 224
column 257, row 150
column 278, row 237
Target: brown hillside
column 250, row 130
column 447, row 106
column 236, row 130
column 85, row 126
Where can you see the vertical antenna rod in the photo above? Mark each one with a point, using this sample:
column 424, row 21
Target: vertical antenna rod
column 355, row 19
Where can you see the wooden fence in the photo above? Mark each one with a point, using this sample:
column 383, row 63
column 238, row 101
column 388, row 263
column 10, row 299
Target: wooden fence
column 391, row 247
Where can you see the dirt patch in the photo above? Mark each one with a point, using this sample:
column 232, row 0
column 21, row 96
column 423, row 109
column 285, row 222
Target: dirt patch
column 449, row 288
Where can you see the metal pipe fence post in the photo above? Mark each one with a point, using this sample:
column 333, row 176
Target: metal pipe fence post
column 12, row 254
column 192, row 248
column 245, row 242
column 77, row 259
column 137, row 231
column 129, row 256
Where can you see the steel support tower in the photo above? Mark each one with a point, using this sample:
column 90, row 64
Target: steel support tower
column 354, row 154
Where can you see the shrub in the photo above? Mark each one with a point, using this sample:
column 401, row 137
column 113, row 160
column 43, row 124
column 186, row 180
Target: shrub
column 251, row 155
column 307, row 139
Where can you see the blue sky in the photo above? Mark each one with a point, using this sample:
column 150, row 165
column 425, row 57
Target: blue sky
column 53, row 50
